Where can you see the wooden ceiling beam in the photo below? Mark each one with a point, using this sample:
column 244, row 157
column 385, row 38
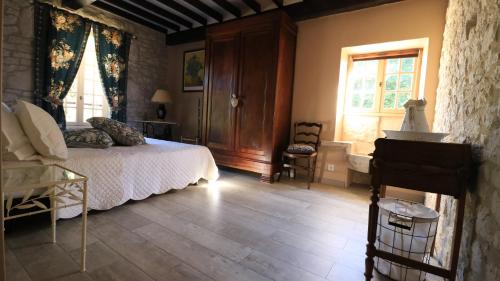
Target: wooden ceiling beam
column 278, row 3
column 224, row 4
column 139, row 13
column 318, row 8
column 183, row 10
column 190, row 35
column 76, row 4
column 254, row 5
column 299, row 11
column 151, row 8
column 127, row 15
column 205, row 9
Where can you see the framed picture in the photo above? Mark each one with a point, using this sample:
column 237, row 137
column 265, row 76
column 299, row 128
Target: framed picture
column 193, row 71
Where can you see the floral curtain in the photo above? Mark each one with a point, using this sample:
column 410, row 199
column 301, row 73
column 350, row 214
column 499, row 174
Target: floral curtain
column 60, row 39
column 112, row 48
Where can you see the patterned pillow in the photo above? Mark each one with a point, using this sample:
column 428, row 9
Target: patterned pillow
column 120, row 132
column 300, row 149
column 87, row 138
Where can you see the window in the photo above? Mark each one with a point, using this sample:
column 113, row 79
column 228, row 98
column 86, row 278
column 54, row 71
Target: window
column 376, row 89
column 379, row 83
column 86, row 96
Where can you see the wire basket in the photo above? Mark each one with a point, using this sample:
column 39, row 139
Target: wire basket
column 406, row 229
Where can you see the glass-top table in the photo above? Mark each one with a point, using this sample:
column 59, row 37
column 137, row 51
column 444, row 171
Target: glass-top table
column 38, row 189
column 21, row 178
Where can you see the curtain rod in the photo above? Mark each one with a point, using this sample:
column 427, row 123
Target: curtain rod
column 32, row 2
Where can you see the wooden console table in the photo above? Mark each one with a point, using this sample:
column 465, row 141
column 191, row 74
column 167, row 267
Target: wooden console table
column 442, row 168
column 150, row 124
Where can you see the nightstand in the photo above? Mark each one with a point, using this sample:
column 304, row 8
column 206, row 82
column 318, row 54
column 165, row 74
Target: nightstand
column 26, row 190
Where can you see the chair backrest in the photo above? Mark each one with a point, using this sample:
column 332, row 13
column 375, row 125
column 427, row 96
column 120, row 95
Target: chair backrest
column 307, row 133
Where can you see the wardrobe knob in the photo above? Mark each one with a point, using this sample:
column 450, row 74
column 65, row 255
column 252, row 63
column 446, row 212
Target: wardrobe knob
column 234, row 101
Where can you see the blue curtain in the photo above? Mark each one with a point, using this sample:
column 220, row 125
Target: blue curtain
column 112, row 48
column 60, row 39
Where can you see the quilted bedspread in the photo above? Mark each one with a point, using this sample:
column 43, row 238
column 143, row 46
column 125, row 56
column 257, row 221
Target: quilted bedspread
column 121, row 173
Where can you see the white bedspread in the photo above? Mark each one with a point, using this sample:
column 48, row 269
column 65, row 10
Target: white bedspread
column 121, row 173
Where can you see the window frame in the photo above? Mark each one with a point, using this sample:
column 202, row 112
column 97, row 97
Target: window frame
column 80, row 90
column 378, row 109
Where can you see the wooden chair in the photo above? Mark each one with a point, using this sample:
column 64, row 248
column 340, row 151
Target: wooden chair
column 305, row 134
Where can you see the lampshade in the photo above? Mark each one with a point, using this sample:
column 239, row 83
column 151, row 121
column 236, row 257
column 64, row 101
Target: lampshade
column 161, row 96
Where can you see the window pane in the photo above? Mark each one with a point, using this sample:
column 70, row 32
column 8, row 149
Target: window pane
column 98, row 113
column 403, row 98
column 358, row 84
column 389, row 100
column 97, row 100
column 365, row 66
column 392, row 66
column 98, row 87
column 70, row 113
column 89, row 72
column 405, row 82
column 362, row 84
column 88, row 87
column 87, row 113
column 407, row 64
column 368, row 100
column 370, row 84
column 391, row 82
column 356, row 100
column 70, row 97
column 88, row 100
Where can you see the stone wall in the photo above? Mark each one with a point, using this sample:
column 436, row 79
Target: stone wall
column 468, row 107
column 147, row 62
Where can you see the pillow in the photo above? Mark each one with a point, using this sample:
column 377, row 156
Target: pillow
column 15, row 144
column 87, row 138
column 120, row 132
column 300, row 149
column 42, row 130
column 6, row 107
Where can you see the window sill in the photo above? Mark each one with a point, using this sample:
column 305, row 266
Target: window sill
column 78, row 125
column 383, row 114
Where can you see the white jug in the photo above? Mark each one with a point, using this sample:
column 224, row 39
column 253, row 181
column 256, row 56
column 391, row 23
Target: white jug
column 414, row 119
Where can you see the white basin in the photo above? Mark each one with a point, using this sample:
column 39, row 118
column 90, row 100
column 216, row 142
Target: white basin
column 359, row 162
column 414, row 136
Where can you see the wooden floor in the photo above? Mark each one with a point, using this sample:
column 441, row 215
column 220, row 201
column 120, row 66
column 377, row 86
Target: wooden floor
column 235, row 229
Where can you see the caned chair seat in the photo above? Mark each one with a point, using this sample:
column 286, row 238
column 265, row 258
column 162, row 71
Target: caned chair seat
column 299, row 155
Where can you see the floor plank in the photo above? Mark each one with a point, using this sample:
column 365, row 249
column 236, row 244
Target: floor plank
column 203, row 259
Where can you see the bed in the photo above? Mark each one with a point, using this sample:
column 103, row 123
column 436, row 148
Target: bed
column 121, row 173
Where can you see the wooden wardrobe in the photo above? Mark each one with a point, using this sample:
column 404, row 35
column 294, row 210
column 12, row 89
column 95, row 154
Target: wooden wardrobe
column 248, row 91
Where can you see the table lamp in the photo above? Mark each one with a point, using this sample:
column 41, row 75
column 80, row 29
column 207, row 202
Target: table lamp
column 161, row 97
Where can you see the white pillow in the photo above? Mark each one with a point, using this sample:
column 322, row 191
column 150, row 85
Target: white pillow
column 42, row 130
column 15, row 143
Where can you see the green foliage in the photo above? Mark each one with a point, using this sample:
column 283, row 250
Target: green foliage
column 389, row 100
column 405, row 81
column 391, row 82
column 392, row 66
column 407, row 64
column 403, row 98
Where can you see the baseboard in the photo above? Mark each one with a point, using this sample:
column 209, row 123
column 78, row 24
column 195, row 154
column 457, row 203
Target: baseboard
column 331, row 182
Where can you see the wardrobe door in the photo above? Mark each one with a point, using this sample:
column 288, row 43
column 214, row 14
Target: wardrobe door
column 223, row 65
column 256, row 93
